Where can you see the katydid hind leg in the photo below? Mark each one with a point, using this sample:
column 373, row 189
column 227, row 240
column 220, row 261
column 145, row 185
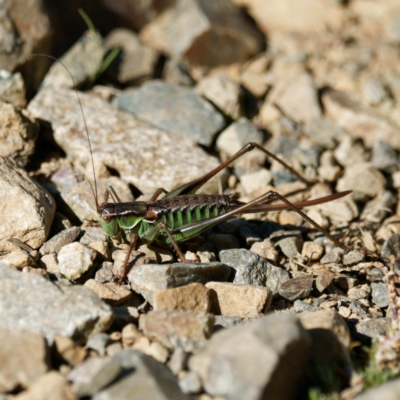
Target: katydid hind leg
column 157, row 193
column 192, row 187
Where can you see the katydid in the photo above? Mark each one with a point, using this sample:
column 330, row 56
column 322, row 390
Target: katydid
column 181, row 214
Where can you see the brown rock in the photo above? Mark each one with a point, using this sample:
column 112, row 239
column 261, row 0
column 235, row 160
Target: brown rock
column 24, row 358
column 296, row 288
column 110, row 292
column 191, row 298
column 199, row 28
column 169, row 328
column 237, row 300
column 324, row 280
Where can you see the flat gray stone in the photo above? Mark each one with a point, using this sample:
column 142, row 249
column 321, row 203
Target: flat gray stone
column 174, row 109
column 147, row 278
column 28, row 302
column 249, row 361
column 164, row 159
column 380, row 294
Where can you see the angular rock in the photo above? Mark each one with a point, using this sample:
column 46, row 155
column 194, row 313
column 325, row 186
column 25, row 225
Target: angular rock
column 237, row 300
column 380, row 294
column 28, row 209
column 147, row 278
column 363, row 179
column 191, row 298
column 359, row 122
column 18, row 134
column 174, row 109
column 359, row 292
column 222, row 92
column 324, row 280
column 296, row 288
column 63, row 238
column 378, row 208
column 74, row 259
column 137, row 161
column 312, row 250
column 250, row 268
column 324, row 133
column 25, row 358
column 290, row 242
column 384, row 157
column 82, row 61
column 301, row 306
column 265, row 249
column 247, row 362
column 353, row 257
column 143, row 377
column 137, row 60
column 253, row 74
column 254, row 182
column 18, row 259
column 199, row 28
column 93, row 374
column 110, row 292
column 48, row 387
column 297, row 98
column 42, row 307
column 173, row 328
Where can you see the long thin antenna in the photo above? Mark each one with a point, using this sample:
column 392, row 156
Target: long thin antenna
column 94, row 191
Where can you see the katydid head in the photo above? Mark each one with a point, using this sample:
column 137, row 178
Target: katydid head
column 114, row 216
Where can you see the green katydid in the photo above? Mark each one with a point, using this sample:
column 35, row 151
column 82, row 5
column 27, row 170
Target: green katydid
column 181, row 214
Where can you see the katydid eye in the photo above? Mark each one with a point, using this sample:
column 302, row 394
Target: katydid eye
column 106, row 217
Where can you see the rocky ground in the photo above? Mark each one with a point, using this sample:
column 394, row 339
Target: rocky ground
column 271, row 309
